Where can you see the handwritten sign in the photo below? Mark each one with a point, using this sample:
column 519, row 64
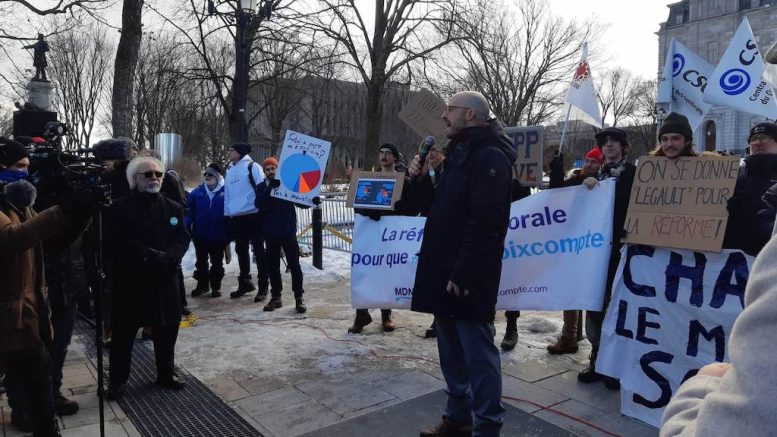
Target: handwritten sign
column 423, row 115
column 301, row 168
column 528, row 143
column 681, row 203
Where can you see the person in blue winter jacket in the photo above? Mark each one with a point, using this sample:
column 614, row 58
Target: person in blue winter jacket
column 206, row 224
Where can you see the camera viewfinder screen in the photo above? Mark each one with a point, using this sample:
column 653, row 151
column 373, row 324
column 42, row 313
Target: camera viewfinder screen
column 374, row 193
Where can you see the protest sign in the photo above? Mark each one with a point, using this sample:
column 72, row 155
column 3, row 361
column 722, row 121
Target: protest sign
column 681, row 202
column 528, row 142
column 549, row 232
column 301, row 168
column 671, row 313
column 422, row 114
column 375, row 190
column 683, row 82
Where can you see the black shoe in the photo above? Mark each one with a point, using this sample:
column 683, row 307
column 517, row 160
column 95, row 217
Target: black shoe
column 612, row 383
column 171, row 383
column 273, row 304
column 215, row 293
column 448, row 428
column 431, row 331
column 21, row 421
column 590, row 374
column 243, row 286
column 65, row 406
column 115, row 391
column 300, row 306
column 50, row 430
column 510, row 339
column 261, row 296
column 201, row 288
column 186, row 312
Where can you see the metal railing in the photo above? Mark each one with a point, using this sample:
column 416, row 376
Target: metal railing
column 338, row 223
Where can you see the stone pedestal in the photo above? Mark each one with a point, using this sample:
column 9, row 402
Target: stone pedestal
column 40, row 94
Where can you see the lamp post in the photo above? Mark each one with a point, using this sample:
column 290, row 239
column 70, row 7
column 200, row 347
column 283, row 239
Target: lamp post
column 245, row 17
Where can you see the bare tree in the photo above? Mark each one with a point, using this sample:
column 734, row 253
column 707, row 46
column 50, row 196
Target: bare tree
column 13, row 12
column 516, row 60
column 79, row 68
column 124, row 67
column 402, row 32
column 642, row 123
column 615, row 91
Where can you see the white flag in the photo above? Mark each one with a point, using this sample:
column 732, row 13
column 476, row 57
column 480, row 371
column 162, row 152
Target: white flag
column 683, row 82
column 581, row 91
column 737, row 80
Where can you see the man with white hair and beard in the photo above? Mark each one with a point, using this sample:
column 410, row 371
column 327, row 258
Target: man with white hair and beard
column 148, row 238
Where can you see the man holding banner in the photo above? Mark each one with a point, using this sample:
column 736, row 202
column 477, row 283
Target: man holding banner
column 615, row 145
column 460, row 263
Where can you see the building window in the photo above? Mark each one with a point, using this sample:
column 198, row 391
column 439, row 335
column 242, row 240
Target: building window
column 712, row 52
column 710, row 136
column 749, row 4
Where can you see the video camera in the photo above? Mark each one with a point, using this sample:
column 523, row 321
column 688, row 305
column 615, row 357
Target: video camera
column 53, row 170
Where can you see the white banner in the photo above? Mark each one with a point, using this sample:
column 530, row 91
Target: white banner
column 560, row 230
column 671, row 313
column 301, row 167
column 582, row 93
column 737, row 80
column 683, row 83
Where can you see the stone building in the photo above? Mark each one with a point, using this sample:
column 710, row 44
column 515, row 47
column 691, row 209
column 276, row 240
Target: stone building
column 706, row 27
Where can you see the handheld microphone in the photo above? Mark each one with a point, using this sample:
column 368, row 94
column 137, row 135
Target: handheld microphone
column 424, row 148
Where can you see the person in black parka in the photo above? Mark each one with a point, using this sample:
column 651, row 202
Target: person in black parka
column 460, row 262
column 148, row 238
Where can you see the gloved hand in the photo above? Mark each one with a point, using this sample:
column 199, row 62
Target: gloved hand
column 316, row 200
column 373, row 214
column 557, row 163
column 274, row 183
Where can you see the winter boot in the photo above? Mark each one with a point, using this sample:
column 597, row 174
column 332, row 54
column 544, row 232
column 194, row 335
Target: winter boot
column 448, row 428
column 201, row 288
column 431, row 331
column 215, row 287
column 21, row 420
column 564, row 345
column 65, row 406
column 47, row 430
column 215, row 293
column 388, row 324
column 511, row 333
column 612, row 383
column 261, row 295
column 590, row 375
column 361, row 320
column 244, row 286
column 273, row 304
column 300, row 305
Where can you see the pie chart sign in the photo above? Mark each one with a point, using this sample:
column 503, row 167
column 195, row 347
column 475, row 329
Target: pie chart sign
column 300, row 173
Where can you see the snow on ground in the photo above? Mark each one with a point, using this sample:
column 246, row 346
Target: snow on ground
column 235, row 338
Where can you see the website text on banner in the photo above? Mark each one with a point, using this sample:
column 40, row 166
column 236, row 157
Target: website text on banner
column 555, row 239
column 671, row 313
column 682, row 202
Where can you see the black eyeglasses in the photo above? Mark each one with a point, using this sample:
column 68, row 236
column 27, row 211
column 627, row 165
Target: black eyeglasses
column 152, row 173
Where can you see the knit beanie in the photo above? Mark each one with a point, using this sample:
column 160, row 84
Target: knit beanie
column 766, row 128
column 676, row 124
column 11, row 151
column 392, row 147
column 270, row 161
column 597, row 154
column 242, row 148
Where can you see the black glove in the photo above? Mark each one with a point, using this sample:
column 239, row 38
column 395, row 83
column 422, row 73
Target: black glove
column 373, row 214
column 557, row 163
column 274, row 183
column 316, row 200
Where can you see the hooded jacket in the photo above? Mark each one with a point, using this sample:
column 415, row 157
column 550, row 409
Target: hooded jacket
column 466, row 226
column 205, row 216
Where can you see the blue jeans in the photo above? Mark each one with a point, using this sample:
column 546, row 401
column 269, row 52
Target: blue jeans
column 472, row 369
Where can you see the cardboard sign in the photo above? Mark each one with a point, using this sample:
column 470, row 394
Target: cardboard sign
column 301, row 167
column 681, row 203
column 422, row 114
column 375, row 190
column 671, row 313
column 528, row 143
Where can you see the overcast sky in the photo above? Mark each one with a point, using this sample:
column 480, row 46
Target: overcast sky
column 630, row 39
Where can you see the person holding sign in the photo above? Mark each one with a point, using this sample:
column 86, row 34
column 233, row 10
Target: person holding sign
column 615, row 145
column 736, row 398
column 675, row 138
column 460, row 262
column 756, row 176
column 388, row 155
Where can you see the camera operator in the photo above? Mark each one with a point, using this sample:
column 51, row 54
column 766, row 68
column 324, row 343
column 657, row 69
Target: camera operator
column 25, row 326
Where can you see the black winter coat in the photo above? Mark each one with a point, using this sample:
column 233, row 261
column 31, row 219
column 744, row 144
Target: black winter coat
column 757, row 175
column 466, row 226
column 278, row 216
column 145, row 286
column 764, row 220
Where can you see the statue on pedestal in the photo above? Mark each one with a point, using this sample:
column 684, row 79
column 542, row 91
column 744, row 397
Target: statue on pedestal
column 39, row 58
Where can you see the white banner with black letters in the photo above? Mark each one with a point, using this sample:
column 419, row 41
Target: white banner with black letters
column 671, row 313
column 555, row 256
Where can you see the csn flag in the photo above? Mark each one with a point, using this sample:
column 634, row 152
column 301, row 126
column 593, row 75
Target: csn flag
column 737, row 80
column 683, row 82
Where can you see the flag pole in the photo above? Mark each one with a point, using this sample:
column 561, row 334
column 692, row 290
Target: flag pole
column 564, row 130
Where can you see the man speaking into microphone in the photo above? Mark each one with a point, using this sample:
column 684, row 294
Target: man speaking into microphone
column 460, row 262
